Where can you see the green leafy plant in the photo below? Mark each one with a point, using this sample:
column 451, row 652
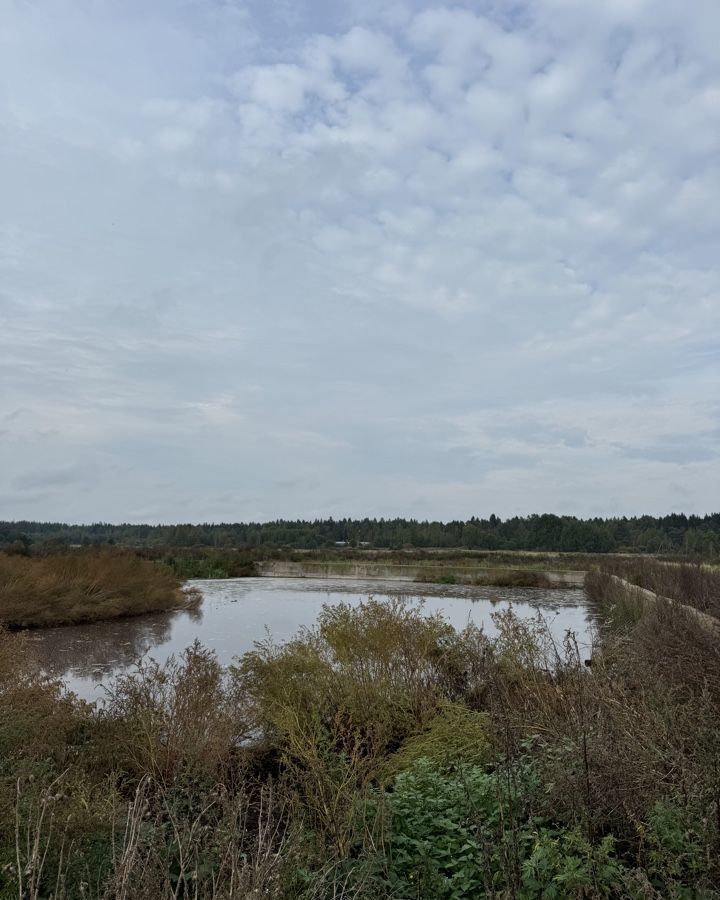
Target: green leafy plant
column 472, row 833
column 454, row 736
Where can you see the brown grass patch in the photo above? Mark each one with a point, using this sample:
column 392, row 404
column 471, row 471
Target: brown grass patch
column 82, row 587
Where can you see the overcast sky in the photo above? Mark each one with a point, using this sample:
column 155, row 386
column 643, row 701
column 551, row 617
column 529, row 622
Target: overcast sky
column 322, row 257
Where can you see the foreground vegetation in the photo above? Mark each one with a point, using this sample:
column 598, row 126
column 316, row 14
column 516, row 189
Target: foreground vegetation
column 380, row 754
column 38, row 591
column 673, row 534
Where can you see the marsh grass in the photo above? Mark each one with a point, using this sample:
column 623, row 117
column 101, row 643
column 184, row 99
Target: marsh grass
column 453, row 558
column 84, row 586
column 520, row 578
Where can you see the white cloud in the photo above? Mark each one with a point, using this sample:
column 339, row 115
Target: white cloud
column 409, row 258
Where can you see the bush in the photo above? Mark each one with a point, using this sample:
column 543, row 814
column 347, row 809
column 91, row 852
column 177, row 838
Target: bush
column 370, row 676
column 37, row 717
column 340, row 698
column 181, row 718
column 454, row 736
column 206, row 563
column 673, row 848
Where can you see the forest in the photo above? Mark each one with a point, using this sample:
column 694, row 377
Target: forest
column 676, row 533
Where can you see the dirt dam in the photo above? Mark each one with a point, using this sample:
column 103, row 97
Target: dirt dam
column 418, row 572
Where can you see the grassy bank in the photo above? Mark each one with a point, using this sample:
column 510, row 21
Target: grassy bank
column 82, row 586
column 212, row 562
column 379, row 755
column 450, row 574
column 693, row 584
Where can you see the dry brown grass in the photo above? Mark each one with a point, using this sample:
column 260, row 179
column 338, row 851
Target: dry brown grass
column 36, row 715
column 638, row 730
column 82, row 587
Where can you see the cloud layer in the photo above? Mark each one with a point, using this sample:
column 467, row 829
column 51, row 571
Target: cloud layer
column 298, row 259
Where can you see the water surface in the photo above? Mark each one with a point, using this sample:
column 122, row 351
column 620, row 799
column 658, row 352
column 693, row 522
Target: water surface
column 235, row 613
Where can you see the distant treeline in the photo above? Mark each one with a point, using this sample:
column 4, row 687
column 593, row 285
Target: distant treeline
column 672, row 534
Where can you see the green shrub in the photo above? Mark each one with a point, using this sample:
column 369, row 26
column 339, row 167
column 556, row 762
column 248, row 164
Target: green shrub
column 455, row 735
column 674, row 850
column 471, row 833
column 447, row 579
column 433, row 847
column 343, row 696
column 206, row 563
column 370, row 676
column 565, row 864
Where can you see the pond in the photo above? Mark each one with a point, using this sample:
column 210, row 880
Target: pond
column 236, row 613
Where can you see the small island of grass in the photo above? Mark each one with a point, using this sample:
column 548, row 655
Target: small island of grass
column 83, row 586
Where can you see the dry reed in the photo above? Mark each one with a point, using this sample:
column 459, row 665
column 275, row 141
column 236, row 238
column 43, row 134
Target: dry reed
column 82, row 587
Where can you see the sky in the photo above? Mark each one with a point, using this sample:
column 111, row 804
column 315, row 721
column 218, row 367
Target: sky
column 306, row 258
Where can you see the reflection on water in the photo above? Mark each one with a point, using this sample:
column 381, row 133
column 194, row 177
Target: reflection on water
column 91, row 651
column 237, row 612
